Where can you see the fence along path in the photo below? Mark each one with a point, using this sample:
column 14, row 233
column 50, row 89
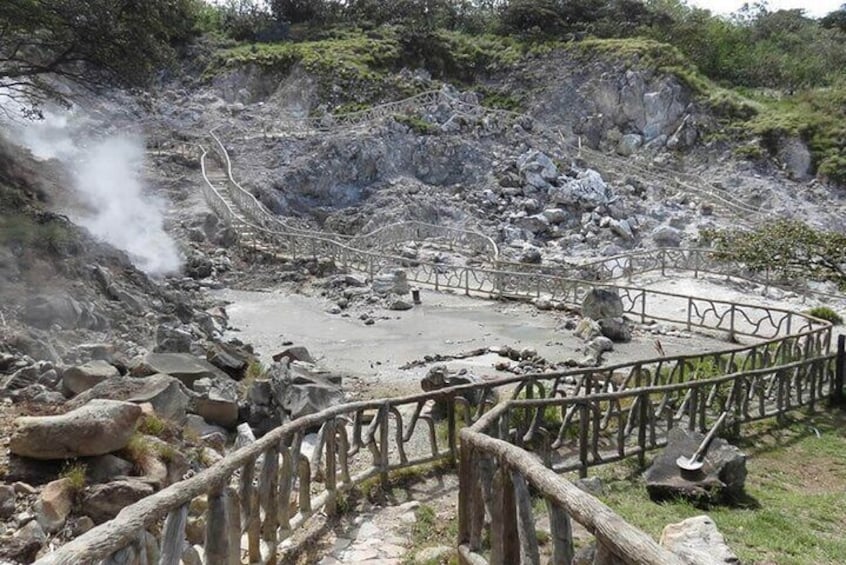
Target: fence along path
column 260, row 494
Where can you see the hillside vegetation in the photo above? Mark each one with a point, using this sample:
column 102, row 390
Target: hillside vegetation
column 766, row 74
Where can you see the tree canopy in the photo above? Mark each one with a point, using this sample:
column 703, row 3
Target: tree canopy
column 92, row 42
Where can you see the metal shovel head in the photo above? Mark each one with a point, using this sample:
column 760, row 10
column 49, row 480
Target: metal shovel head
column 689, row 464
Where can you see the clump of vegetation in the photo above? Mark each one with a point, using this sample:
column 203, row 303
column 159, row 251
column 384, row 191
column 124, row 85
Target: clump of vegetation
column 789, row 249
column 139, row 450
column 22, row 233
column 416, row 124
column 75, row 473
column 152, row 425
column 826, row 313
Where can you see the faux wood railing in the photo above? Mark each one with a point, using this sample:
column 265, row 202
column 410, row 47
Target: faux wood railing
column 525, row 442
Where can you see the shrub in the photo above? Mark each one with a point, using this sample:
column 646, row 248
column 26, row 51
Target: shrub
column 826, row 313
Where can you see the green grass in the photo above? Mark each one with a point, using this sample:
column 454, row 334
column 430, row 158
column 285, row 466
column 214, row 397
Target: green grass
column 826, row 313
column 75, row 473
column 430, row 530
column 152, row 425
column 796, row 481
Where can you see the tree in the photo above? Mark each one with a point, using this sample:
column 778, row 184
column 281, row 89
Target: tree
column 835, row 19
column 789, row 249
column 95, row 43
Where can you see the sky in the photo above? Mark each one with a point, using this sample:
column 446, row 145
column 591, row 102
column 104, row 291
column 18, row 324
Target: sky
column 813, row 8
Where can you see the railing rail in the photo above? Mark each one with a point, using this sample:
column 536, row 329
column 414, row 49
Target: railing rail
column 269, row 489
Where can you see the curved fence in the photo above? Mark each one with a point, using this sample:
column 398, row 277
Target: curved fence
column 573, row 420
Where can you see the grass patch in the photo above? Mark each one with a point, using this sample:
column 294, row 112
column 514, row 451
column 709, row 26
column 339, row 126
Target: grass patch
column 797, row 476
column 416, row 124
column 152, row 425
column 75, row 473
column 826, row 313
column 429, row 530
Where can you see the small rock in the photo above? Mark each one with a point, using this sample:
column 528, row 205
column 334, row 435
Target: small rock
column 296, row 353
column 54, row 505
column 434, row 554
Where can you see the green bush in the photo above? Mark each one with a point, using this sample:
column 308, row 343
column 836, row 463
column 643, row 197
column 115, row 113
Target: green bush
column 826, row 313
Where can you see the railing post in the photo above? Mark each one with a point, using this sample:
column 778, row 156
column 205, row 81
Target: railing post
column 331, row 472
column 505, row 549
column 451, row 425
column 384, row 428
column 643, row 420
column 583, row 438
column 732, row 321
column 663, row 261
column 837, row 393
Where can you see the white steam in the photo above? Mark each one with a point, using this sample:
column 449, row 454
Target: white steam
column 108, row 181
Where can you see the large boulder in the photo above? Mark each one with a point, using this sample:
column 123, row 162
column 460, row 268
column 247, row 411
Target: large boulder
column 173, row 338
column 167, row 395
column 216, row 401
column 616, row 329
column 99, row 427
column 298, row 395
column 80, row 378
column 392, row 282
column 697, row 541
column 103, row 502
column 229, row 358
column 720, row 480
column 586, row 192
column 294, row 353
column 601, row 303
column 184, row 366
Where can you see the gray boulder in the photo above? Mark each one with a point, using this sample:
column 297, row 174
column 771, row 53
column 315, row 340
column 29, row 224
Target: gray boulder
column 616, row 329
column 230, row 359
column 393, row 282
column 173, row 339
column 99, row 427
column 294, row 353
column 301, row 395
column 216, row 401
column 103, row 502
column 601, row 303
column 720, row 480
column 667, row 236
column 183, row 366
column 587, row 191
column 697, row 541
column 42, row 311
column 168, row 396
column 82, row 377
column 105, row 468
column 629, row 143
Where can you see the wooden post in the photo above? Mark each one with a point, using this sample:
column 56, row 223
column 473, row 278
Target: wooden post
column 268, row 487
column 562, row 534
column 451, row 425
column 465, row 493
column 217, row 529
column 331, row 471
column 838, row 396
column 384, row 428
column 250, row 521
column 529, row 554
column 234, row 518
column 643, row 420
column 173, row 536
column 504, row 547
column 583, row 439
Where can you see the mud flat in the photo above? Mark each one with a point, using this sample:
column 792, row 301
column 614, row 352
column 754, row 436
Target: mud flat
column 445, row 324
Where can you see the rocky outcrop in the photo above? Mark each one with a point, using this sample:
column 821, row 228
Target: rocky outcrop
column 167, row 395
column 54, row 505
column 99, row 427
